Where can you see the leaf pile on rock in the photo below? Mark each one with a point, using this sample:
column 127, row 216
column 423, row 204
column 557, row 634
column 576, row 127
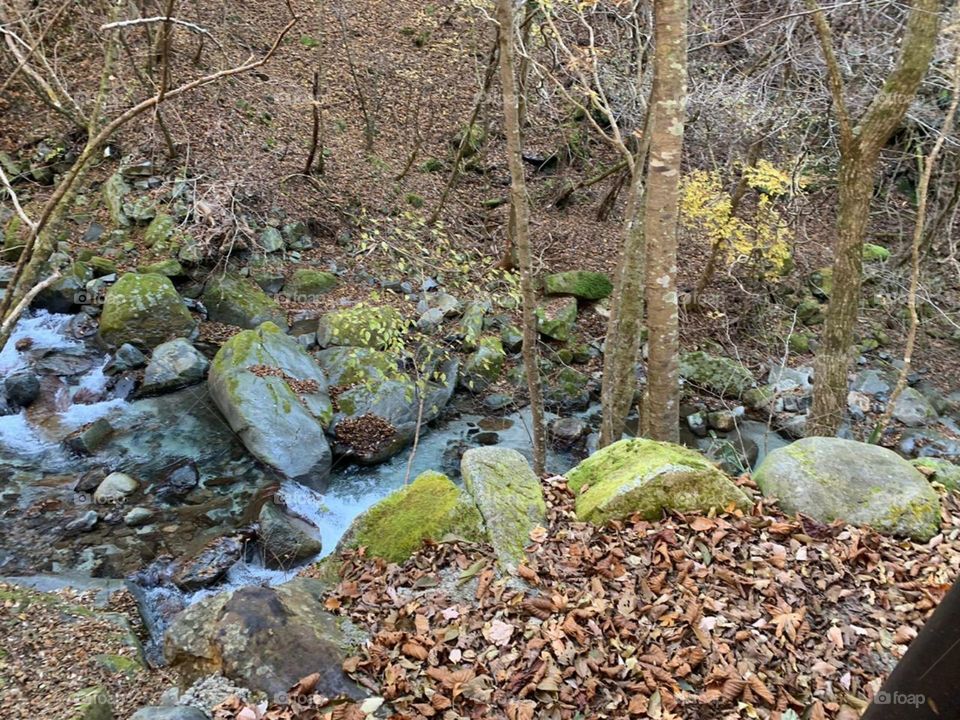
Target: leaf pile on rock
column 738, row 616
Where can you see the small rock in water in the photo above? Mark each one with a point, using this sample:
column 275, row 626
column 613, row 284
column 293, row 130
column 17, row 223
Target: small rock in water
column 84, row 523
column 722, row 420
column 180, row 480
column 697, row 424
column 174, row 365
column 126, row 358
column 486, row 437
column 115, row 486
column 209, row 565
column 567, row 431
column 286, row 540
column 138, row 516
column 22, row 388
column 87, row 440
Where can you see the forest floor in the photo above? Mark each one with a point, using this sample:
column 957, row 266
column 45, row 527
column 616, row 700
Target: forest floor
column 243, row 144
column 759, row 615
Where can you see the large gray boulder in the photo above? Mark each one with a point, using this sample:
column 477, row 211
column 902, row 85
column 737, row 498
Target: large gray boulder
column 832, row 479
column 509, row 498
column 274, row 396
column 265, row 639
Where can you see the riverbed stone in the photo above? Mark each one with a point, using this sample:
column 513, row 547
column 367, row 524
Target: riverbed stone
column 913, row 409
column 265, row 639
column 833, row 479
column 508, row 496
column 174, row 364
column 209, row 565
column 22, row 388
column 274, row 396
column 114, row 487
column 720, row 375
column 235, row 300
column 429, row 508
column 286, row 540
column 583, row 284
column 172, row 712
column 361, row 326
column 645, row 477
column 144, row 310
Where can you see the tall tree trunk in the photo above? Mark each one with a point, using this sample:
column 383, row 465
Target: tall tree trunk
column 661, row 408
column 521, row 228
column 860, row 148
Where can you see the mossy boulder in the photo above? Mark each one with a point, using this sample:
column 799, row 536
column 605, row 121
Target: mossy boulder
column 508, row 496
column 646, row 478
column 939, row 470
column 810, row 311
column 483, row 367
column 361, row 326
column 583, row 284
column 169, row 268
column 568, row 390
column 429, row 508
column 265, row 639
column 557, row 318
column 875, row 253
column 13, row 242
column 821, row 282
column 832, row 479
column 236, row 300
column 722, row 376
column 305, row 284
column 159, row 231
column 471, row 325
column 346, row 366
column 144, row 309
column 114, row 191
column 92, row 703
column 274, row 396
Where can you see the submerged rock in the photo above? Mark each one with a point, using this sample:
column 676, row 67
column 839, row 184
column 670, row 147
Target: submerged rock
column 832, row 479
column 145, row 310
column 431, row 507
column 235, row 300
column 274, row 396
column 645, row 477
column 579, row 283
column 265, row 639
column 508, row 496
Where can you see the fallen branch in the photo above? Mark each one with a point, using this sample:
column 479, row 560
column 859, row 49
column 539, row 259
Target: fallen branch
column 25, row 303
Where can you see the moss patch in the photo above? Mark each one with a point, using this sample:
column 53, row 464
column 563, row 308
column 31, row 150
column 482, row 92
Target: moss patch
column 145, row 309
column 647, row 477
column 431, row 507
column 579, row 283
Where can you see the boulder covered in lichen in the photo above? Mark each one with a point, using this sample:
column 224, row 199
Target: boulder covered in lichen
column 144, row 309
column 647, row 478
column 832, row 479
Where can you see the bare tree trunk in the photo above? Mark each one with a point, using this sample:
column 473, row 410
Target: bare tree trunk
column 859, row 153
column 661, row 410
column 521, row 213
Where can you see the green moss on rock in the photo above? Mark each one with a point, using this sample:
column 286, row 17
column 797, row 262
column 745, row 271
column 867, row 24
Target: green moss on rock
column 12, row 242
column 579, row 283
column 305, row 283
column 833, row 479
column 236, row 300
column 939, row 470
column 144, row 309
column 557, row 318
column 719, row 375
column 509, row 498
column 646, row 477
column 370, row 327
column 431, row 507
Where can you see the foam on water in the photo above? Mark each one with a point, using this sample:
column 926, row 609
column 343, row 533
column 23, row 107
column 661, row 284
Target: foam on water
column 46, row 332
column 18, row 437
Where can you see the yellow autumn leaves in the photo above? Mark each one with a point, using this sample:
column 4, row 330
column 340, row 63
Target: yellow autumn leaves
column 762, row 238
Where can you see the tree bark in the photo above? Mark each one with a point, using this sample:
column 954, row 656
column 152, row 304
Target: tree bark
column 860, row 148
column 661, row 408
column 521, row 227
